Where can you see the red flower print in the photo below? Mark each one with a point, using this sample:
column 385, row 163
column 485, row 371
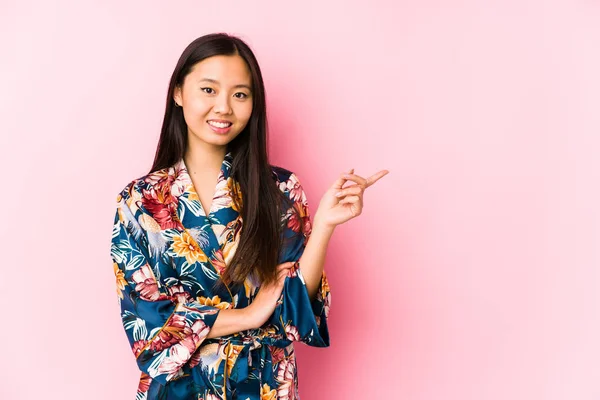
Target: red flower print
column 196, row 357
column 285, row 377
column 291, row 333
column 218, row 261
column 181, row 352
column 138, row 346
column 163, row 206
column 146, row 284
column 144, row 384
column 172, row 333
column 178, row 294
column 294, row 188
column 299, row 215
column 294, row 222
column 277, row 354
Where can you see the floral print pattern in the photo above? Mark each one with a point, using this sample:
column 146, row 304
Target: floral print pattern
column 168, row 252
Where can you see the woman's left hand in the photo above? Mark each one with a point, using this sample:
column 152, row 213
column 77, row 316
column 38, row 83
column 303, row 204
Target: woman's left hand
column 338, row 204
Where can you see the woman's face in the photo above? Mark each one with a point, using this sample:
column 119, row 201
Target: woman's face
column 217, row 100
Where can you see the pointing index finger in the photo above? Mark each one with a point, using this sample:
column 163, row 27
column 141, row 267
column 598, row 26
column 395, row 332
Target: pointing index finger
column 375, row 177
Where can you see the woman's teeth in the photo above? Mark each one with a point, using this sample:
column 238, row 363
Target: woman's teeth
column 219, row 124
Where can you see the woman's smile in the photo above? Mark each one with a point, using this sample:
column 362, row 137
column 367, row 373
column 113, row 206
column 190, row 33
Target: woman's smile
column 220, row 126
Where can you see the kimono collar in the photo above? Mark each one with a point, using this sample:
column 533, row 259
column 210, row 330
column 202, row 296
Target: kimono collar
column 190, row 213
column 182, row 174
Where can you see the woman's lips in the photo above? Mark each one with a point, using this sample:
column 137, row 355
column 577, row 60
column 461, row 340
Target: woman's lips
column 220, row 127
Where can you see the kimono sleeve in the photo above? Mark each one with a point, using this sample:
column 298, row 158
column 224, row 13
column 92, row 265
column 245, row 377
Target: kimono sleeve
column 162, row 332
column 300, row 318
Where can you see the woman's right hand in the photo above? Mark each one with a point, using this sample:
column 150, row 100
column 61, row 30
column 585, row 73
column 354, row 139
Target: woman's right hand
column 265, row 302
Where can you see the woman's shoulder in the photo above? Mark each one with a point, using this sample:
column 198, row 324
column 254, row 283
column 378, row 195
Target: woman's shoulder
column 134, row 188
column 280, row 174
column 284, row 176
column 288, row 183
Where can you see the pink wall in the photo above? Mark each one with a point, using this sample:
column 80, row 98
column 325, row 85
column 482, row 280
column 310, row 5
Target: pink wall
column 473, row 271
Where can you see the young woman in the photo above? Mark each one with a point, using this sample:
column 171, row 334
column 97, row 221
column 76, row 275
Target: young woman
column 216, row 274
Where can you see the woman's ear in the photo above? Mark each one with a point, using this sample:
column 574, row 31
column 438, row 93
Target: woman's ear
column 177, row 95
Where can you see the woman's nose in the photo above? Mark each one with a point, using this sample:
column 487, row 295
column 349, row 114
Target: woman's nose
column 222, row 105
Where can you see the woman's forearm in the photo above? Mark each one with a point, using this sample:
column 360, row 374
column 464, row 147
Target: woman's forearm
column 313, row 257
column 230, row 321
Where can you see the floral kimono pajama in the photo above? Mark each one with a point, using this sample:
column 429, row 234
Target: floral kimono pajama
column 167, row 255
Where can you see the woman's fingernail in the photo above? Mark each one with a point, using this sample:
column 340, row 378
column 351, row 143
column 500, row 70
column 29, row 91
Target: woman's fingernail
column 338, row 194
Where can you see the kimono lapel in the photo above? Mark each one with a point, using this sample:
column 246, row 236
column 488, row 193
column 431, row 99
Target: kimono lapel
column 213, row 230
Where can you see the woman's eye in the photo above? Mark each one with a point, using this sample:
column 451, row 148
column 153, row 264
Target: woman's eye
column 243, row 95
column 205, row 89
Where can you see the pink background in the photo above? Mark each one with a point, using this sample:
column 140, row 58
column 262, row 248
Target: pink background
column 473, row 271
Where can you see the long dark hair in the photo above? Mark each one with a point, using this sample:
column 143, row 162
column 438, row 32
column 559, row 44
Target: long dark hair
column 262, row 200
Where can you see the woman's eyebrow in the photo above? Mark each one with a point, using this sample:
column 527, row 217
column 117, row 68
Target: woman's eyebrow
column 217, row 83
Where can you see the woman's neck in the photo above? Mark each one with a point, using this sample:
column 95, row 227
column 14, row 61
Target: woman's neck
column 199, row 159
